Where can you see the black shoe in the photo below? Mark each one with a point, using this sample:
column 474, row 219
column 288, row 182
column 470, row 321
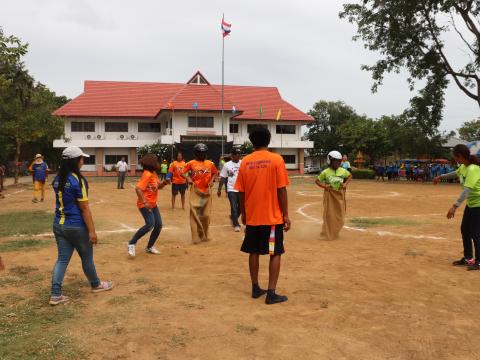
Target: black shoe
column 474, row 266
column 461, row 262
column 257, row 291
column 273, row 298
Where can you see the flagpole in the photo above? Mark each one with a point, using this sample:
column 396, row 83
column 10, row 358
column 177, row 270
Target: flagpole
column 223, row 80
column 173, row 129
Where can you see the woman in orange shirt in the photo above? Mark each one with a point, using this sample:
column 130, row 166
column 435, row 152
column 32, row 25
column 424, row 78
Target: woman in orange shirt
column 147, row 193
column 201, row 174
column 179, row 183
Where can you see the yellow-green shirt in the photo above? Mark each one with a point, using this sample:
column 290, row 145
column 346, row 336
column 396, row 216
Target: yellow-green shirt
column 334, row 178
column 470, row 178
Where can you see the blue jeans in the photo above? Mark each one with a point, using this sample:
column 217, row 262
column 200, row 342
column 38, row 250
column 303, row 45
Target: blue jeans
column 234, row 199
column 71, row 238
column 153, row 220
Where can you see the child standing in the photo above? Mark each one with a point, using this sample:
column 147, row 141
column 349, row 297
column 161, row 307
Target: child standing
column 179, row 183
column 147, row 193
column 39, row 170
column 334, row 180
column 201, row 174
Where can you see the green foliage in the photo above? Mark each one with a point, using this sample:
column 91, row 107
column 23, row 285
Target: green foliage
column 325, row 131
column 363, row 174
column 410, row 35
column 337, row 126
column 246, row 148
column 470, row 130
column 26, row 106
column 163, row 151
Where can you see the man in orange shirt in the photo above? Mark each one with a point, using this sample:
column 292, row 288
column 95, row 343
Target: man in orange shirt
column 201, row 174
column 262, row 181
column 179, row 183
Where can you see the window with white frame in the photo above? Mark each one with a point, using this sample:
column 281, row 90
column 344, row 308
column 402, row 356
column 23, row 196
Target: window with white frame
column 148, row 127
column 250, row 127
column 116, row 127
column 290, row 159
column 82, row 126
column 200, row 121
column 285, row 129
column 234, row 128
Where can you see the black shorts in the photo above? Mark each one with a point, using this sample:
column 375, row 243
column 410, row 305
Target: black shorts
column 176, row 188
column 256, row 240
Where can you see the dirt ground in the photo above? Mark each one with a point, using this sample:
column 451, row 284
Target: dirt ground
column 380, row 292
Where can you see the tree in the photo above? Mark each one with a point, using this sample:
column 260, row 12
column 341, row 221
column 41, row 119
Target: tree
column 163, row 151
column 470, row 130
column 410, row 35
column 25, row 106
column 325, row 131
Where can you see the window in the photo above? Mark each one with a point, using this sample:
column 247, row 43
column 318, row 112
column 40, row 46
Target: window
column 114, row 159
column 148, row 127
column 82, row 126
column 290, row 159
column 250, row 127
column 233, row 128
column 116, row 127
column 90, row 160
column 200, row 121
column 286, row 129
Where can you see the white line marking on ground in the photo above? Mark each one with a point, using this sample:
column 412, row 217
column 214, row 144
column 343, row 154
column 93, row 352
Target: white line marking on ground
column 16, row 192
column 301, row 209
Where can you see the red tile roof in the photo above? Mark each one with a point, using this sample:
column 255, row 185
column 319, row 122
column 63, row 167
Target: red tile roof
column 147, row 100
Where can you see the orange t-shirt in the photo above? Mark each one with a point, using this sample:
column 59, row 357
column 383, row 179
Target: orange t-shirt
column 148, row 183
column 201, row 173
column 261, row 174
column 176, row 169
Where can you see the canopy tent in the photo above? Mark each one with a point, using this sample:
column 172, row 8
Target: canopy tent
column 474, row 147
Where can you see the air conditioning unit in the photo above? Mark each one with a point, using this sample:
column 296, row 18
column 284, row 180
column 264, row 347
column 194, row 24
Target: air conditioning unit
column 99, row 137
column 122, row 137
column 133, row 137
column 89, row 137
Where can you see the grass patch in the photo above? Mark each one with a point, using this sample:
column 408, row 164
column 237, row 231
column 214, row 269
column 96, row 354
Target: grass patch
column 246, row 329
column 32, row 331
column 414, row 253
column 22, row 244
column 120, row 300
column 25, row 223
column 21, row 275
column 372, row 222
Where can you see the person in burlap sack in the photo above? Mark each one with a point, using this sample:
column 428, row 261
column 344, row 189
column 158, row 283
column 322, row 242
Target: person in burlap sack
column 334, row 180
column 201, row 175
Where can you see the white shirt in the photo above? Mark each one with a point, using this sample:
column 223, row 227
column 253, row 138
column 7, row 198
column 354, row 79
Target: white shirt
column 122, row 166
column 230, row 172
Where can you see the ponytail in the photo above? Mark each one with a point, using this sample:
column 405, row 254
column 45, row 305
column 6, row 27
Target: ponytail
column 474, row 160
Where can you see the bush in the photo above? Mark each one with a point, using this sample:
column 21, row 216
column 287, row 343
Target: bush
column 363, row 174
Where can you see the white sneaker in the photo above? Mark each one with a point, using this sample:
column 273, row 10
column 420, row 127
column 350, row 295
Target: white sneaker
column 237, row 229
column 152, row 250
column 131, row 250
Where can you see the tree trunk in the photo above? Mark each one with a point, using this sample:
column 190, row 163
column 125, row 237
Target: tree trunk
column 17, row 158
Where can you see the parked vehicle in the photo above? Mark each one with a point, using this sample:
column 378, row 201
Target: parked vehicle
column 311, row 169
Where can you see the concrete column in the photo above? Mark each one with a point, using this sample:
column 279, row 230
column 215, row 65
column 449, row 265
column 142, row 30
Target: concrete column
column 99, row 159
column 133, row 158
column 301, row 161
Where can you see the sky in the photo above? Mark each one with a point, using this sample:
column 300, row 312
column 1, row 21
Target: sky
column 300, row 46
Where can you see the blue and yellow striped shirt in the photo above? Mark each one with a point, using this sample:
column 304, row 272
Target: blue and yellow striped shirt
column 67, row 211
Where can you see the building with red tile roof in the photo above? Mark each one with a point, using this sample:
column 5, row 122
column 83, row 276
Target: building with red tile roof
column 111, row 119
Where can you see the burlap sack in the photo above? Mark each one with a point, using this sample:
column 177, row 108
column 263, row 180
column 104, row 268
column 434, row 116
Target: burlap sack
column 333, row 213
column 200, row 208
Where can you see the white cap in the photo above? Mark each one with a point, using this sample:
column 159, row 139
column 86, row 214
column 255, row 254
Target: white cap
column 38, row 156
column 333, row 155
column 73, row 152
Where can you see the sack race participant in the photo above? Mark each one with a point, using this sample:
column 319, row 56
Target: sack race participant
column 201, row 175
column 39, row 170
column 334, row 181
column 147, row 194
column 469, row 175
column 228, row 175
column 73, row 226
column 179, row 183
column 262, row 184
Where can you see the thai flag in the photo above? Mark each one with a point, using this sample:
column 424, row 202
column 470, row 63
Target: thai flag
column 226, row 28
